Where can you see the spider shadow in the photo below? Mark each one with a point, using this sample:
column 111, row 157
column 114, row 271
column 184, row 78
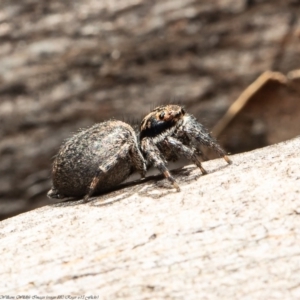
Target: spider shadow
column 108, row 194
column 219, row 168
column 187, row 172
column 118, row 193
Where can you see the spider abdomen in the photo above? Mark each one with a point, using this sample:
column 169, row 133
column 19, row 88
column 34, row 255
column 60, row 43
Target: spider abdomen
column 97, row 158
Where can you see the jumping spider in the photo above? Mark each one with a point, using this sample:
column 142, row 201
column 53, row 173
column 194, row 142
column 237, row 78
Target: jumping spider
column 101, row 157
column 168, row 132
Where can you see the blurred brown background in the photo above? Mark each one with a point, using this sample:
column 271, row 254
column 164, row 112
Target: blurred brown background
column 67, row 64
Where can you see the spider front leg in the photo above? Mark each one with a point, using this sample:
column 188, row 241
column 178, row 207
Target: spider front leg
column 153, row 157
column 185, row 151
column 194, row 130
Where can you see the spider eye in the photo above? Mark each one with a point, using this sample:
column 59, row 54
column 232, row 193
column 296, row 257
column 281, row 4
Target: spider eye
column 183, row 111
column 161, row 116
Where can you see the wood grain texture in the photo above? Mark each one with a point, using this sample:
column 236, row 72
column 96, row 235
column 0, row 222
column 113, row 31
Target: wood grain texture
column 231, row 234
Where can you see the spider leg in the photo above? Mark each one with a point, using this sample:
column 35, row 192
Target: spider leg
column 126, row 149
column 138, row 160
column 53, row 193
column 199, row 153
column 153, row 157
column 186, row 152
column 198, row 132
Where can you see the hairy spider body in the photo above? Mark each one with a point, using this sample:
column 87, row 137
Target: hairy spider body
column 168, row 133
column 101, row 157
column 95, row 160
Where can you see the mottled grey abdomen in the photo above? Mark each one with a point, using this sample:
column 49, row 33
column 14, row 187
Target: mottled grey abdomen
column 79, row 159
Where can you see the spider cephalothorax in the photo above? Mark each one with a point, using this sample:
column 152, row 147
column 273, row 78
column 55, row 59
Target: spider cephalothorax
column 168, row 133
column 161, row 121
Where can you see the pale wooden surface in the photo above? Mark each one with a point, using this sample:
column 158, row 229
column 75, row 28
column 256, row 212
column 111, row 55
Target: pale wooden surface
column 232, row 234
